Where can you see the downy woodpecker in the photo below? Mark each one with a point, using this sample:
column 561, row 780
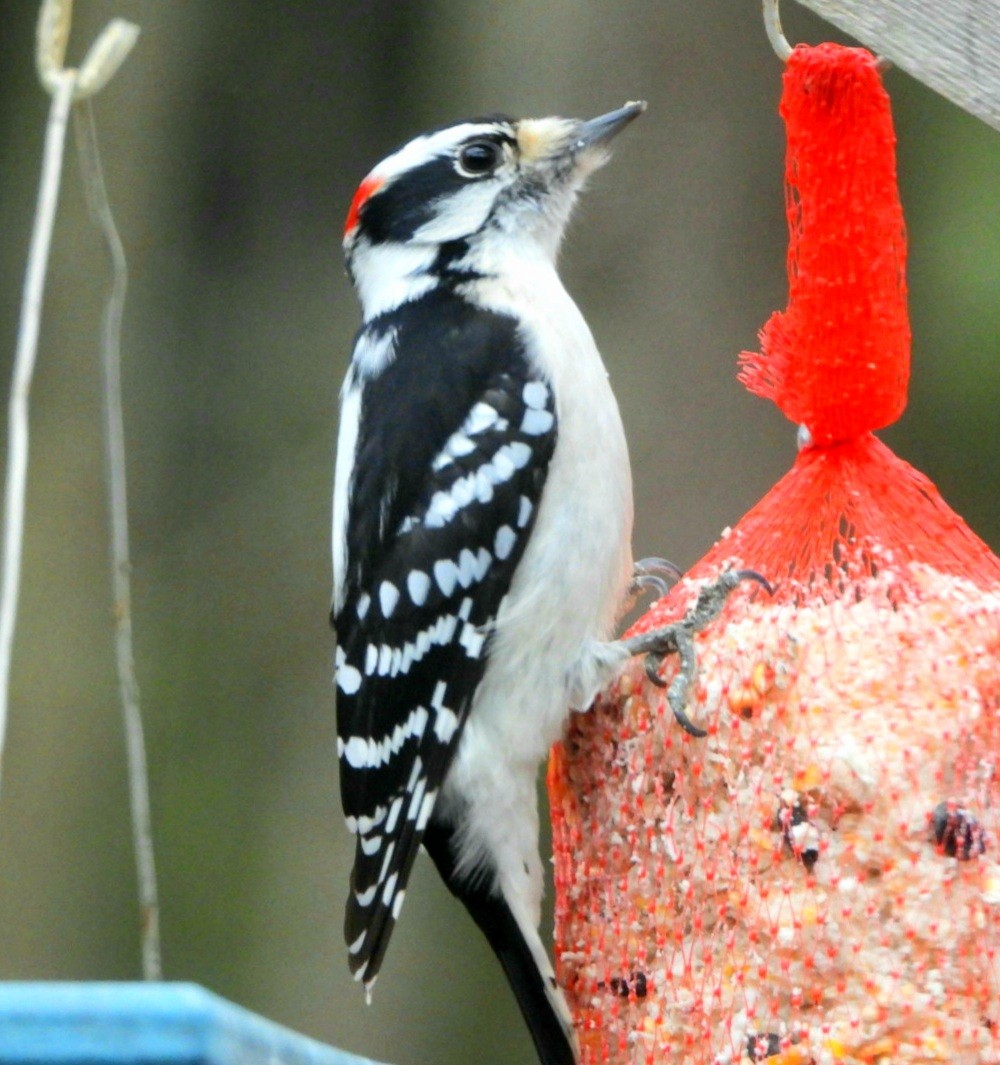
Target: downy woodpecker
column 482, row 518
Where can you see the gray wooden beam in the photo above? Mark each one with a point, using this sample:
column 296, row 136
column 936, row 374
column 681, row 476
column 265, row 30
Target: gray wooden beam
column 951, row 45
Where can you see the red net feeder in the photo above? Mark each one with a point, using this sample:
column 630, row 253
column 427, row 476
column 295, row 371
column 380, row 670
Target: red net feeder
column 817, row 879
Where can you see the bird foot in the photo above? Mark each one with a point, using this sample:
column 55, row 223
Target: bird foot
column 678, row 639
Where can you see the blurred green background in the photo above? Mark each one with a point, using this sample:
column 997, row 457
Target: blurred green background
column 233, row 139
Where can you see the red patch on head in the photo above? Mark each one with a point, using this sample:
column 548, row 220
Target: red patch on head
column 366, row 189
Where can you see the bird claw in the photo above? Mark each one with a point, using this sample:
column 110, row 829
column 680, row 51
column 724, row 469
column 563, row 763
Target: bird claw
column 753, row 575
column 648, row 582
column 678, row 638
column 662, row 566
column 680, row 716
column 652, row 665
column 654, row 574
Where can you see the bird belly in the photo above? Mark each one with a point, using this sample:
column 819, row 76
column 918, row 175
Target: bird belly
column 548, row 649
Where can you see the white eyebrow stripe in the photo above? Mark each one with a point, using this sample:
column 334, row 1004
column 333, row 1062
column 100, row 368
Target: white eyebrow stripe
column 422, row 149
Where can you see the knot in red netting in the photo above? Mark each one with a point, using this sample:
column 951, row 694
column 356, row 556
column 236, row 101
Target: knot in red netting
column 816, row 881
column 837, row 360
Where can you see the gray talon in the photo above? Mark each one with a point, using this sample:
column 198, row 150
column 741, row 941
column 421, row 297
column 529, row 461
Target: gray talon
column 654, row 574
column 655, row 564
column 753, row 575
column 678, row 638
column 644, row 582
column 661, row 567
column 652, row 667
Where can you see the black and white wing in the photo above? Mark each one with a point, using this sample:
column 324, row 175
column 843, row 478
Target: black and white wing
column 436, row 523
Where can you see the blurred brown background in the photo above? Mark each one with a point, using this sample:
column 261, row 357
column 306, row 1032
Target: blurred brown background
column 233, row 138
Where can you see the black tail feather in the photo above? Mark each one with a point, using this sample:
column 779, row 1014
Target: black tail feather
column 368, row 928
column 553, row 1042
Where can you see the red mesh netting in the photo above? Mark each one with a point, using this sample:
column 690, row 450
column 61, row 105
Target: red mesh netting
column 817, row 879
column 846, row 254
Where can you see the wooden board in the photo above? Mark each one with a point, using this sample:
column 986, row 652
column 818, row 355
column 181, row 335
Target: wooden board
column 951, row 45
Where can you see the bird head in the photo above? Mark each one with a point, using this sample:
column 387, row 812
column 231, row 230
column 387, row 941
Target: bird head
column 474, row 189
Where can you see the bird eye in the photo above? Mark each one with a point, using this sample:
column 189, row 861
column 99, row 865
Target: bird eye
column 479, row 158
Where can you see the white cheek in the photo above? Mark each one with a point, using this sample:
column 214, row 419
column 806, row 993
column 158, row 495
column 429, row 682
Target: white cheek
column 460, row 214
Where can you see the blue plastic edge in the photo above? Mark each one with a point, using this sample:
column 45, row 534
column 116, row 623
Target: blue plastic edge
column 145, row 1024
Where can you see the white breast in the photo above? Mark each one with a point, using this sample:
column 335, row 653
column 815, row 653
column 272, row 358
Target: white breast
column 549, row 649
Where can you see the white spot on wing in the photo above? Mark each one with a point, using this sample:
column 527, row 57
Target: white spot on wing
column 371, row 844
column 425, row 810
column 348, row 679
column 537, row 422
column 397, row 805
column 366, row 752
column 480, row 418
column 445, row 724
column 442, row 509
column 388, row 597
column 418, row 585
column 446, row 574
column 365, row 823
column 445, row 720
column 520, row 453
column 416, row 799
column 356, row 752
column 503, row 465
column 459, row 445
column 535, row 394
column 484, row 484
column 524, row 513
column 463, row 491
column 406, row 661
column 364, row 898
column 503, row 542
column 472, row 640
column 387, row 860
column 466, row 567
column 384, row 659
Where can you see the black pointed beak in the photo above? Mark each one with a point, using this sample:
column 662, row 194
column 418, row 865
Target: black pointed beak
column 599, row 131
